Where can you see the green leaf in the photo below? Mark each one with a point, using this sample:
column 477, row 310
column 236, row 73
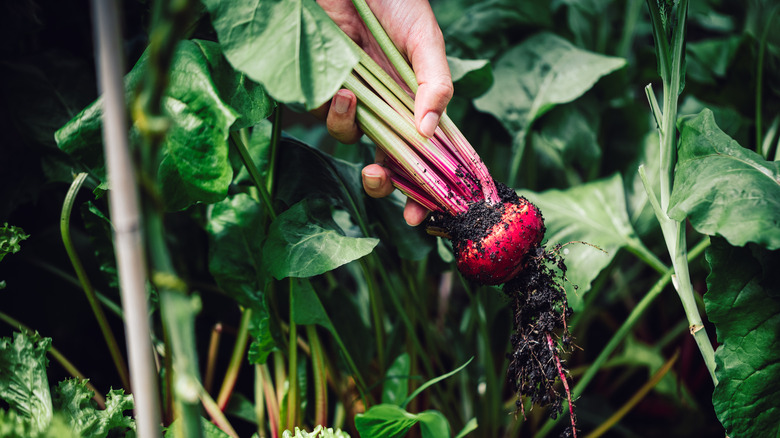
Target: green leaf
column 310, row 173
column 723, row 188
column 10, row 236
column 481, row 30
column 540, row 73
column 304, row 241
column 470, row 426
column 593, row 213
column 74, row 400
column 307, row 308
column 13, row 425
column 291, row 47
column 246, row 97
column 235, row 229
column 567, row 143
column 385, row 421
column 23, row 382
column 743, row 301
column 434, row 381
column 210, row 430
column 390, row 421
column 263, row 342
column 471, row 77
column 195, row 165
column 433, row 424
column 396, row 386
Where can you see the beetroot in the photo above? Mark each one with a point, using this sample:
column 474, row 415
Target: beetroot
column 499, row 255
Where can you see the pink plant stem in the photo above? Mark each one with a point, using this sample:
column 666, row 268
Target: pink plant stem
column 565, row 384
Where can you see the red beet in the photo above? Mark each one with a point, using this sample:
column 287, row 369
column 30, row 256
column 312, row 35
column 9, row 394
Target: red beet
column 499, row 255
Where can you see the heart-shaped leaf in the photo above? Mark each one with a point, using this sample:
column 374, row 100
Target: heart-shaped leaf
column 723, row 188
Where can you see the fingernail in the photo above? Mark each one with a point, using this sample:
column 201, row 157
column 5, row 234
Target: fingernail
column 341, row 103
column 429, row 123
column 371, row 180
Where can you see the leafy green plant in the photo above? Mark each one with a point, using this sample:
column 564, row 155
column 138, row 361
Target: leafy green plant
column 280, row 297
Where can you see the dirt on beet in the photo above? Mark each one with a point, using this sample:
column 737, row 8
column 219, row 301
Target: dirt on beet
column 541, row 336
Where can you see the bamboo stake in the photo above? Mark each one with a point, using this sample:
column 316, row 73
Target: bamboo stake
column 126, row 218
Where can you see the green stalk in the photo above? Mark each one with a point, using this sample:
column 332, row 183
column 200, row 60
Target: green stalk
column 57, row 356
column 674, row 231
column 260, row 402
column 623, row 331
column 254, row 173
column 211, row 358
column 292, row 368
column 86, row 285
column 320, row 378
column 215, row 412
column 391, row 51
column 236, row 359
column 760, row 77
column 376, row 313
column 271, row 402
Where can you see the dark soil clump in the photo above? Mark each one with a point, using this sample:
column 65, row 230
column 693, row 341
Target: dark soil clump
column 541, row 335
column 474, row 224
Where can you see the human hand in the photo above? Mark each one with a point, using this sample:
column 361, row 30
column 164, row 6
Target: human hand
column 414, row 30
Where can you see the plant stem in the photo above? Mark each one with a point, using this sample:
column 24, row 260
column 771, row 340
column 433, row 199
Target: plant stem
column 376, row 313
column 254, row 173
column 320, row 379
column 215, row 412
column 271, row 401
column 760, row 77
column 236, row 359
column 674, row 231
column 211, row 359
column 635, row 399
column 62, row 360
column 292, row 367
column 623, row 331
column 126, row 218
column 86, row 285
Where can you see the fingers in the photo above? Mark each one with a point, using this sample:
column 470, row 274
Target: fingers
column 414, row 213
column 341, row 118
column 427, row 55
column 376, row 181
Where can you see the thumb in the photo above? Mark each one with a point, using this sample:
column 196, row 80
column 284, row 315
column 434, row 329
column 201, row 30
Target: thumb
column 429, row 62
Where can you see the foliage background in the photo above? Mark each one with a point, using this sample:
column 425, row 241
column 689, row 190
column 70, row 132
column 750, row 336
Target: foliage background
column 587, row 148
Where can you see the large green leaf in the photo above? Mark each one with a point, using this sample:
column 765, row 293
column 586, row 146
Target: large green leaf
column 471, row 77
column 593, row 213
column 743, row 301
column 723, row 188
column 304, row 241
column 534, row 76
column 248, row 98
column 195, row 165
column 391, row 421
column 291, row 47
column 74, row 400
column 23, row 382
